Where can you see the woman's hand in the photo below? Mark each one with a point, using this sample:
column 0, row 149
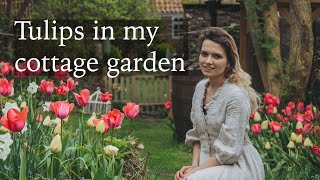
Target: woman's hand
column 190, row 171
column 181, row 173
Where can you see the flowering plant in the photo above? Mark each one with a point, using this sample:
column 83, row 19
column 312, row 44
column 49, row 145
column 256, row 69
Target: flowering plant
column 59, row 147
column 287, row 139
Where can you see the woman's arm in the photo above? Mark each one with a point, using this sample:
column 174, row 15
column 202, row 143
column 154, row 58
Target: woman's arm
column 196, row 153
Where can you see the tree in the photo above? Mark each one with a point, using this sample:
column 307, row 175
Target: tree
column 280, row 75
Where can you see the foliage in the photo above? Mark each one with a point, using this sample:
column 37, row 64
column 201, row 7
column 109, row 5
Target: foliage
column 163, row 50
column 286, row 139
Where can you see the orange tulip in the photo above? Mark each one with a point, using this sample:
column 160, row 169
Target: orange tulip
column 83, row 98
column 131, row 110
column 114, row 118
column 15, row 120
column 61, row 109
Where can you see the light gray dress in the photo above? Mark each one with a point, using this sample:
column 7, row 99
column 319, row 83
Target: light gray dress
column 221, row 126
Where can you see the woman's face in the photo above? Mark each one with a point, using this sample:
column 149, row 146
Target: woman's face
column 212, row 59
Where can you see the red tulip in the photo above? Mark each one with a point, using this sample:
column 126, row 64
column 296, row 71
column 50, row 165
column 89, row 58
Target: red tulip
column 105, row 97
column 299, row 117
column 5, row 68
column 71, row 84
column 114, row 118
column 15, row 120
column 168, row 105
column 279, row 117
column 22, row 74
column 309, row 115
column 271, row 100
column 46, row 86
column 307, row 128
column 300, row 106
column 131, row 110
column 270, row 109
column 62, row 90
column 5, row 86
column 275, row 126
column 256, row 128
column 316, row 150
column 61, row 74
column 285, row 120
column 292, row 105
column 299, row 131
column 61, row 109
column 309, row 107
column 33, row 66
column 83, row 98
column 288, row 111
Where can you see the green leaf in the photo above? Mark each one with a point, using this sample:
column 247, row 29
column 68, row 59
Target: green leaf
column 99, row 175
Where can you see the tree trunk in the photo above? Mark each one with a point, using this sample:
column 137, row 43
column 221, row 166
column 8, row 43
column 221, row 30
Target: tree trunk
column 301, row 46
column 269, row 68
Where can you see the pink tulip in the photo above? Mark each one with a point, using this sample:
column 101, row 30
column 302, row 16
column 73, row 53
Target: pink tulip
column 15, row 120
column 5, row 68
column 61, row 109
column 62, row 90
column 309, row 107
column 299, row 117
column 39, row 118
column 70, row 84
column 22, row 74
column 46, row 87
column 292, row 105
column 271, row 100
column 61, row 74
column 307, row 128
column 256, row 128
column 131, row 110
column 309, row 115
column 300, row 106
column 5, row 86
column 83, row 98
column 269, row 109
column 279, row 117
column 288, row 111
column 105, row 97
column 114, row 118
column 275, row 126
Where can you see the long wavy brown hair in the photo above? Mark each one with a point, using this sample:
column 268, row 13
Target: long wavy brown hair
column 234, row 72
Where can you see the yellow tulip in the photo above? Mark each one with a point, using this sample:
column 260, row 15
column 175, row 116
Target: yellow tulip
column 111, row 150
column 101, row 126
column 293, row 136
column 291, row 145
column 90, row 120
column 299, row 125
column 265, row 124
column 23, row 105
column 56, row 145
column 4, row 129
column 12, row 92
column 299, row 139
column 47, row 121
column 275, row 111
column 57, row 130
column 257, row 117
column 267, row 145
column 307, row 142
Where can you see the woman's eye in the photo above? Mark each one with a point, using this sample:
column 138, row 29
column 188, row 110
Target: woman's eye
column 217, row 56
column 204, row 54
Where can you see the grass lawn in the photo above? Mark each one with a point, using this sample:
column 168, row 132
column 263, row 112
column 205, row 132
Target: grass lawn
column 166, row 154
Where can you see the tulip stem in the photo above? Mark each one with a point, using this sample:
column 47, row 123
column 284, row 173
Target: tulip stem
column 52, row 166
column 111, row 134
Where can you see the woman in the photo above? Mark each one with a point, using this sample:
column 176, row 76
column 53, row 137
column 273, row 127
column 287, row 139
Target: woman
column 221, row 107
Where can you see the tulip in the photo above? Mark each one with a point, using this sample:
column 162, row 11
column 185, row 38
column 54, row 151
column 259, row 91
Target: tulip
column 264, row 124
column 15, row 121
column 56, row 145
column 57, row 129
column 299, row 131
column 288, row 111
column 6, row 86
column 32, row 88
column 314, row 109
column 46, row 87
column 101, row 126
column 307, row 128
column 256, row 117
column 299, row 117
column 316, row 150
column 61, row 109
column 5, row 68
column 275, row 126
column 267, row 145
column 39, row 118
column 285, row 120
column 23, row 104
column 110, row 150
column 292, row 105
column 256, row 128
column 270, row 109
column 114, row 118
column 307, row 142
column 268, row 98
column 131, row 110
column 56, row 121
column 168, row 105
column 291, row 145
column 309, row 115
column 12, row 92
column 22, row 74
column 47, row 121
column 293, row 136
column 61, row 74
column 71, row 84
column 309, row 107
column 4, row 129
column 90, row 120
column 279, row 117
column 105, row 97
column 299, row 139
column 83, row 98
column 300, row 106
column 62, row 90
column 33, row 66
column 299, row 125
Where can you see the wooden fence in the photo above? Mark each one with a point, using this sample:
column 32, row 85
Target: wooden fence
column 16, row 5
column 150, row 91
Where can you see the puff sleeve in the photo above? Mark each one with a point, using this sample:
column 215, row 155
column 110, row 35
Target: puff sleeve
column 229, row 144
